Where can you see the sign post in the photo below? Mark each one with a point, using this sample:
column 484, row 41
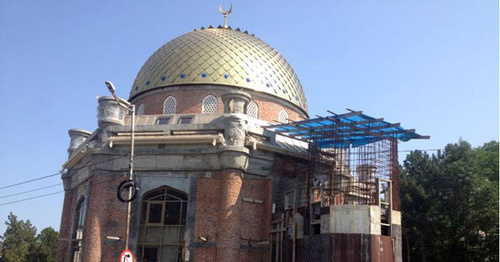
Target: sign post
column 127, row 256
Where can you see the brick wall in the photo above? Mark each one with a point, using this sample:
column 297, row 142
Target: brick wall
column 64, row 243
column 189, row 101
column 103, row 200
column 232, row 214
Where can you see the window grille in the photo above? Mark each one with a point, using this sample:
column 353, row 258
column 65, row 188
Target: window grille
column 283, row 116
column 253, row 110
column 169, row 105
column 209, row 105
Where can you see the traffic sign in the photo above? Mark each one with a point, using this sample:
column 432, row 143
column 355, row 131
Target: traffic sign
column 127, row 256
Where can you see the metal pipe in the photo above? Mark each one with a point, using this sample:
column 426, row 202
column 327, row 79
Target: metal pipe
column 131, row 173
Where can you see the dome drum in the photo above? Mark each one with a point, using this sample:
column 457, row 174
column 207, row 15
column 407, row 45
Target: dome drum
column 189, row 100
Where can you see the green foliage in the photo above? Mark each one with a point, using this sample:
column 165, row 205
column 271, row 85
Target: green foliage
column 450, row 204
column 19, row 243
column 17, row 239
column 44, row 249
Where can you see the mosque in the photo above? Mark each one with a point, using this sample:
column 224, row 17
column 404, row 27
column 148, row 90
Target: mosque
column 214, row 157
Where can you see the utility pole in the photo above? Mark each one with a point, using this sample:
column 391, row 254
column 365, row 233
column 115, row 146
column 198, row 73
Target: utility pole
column 131, row 108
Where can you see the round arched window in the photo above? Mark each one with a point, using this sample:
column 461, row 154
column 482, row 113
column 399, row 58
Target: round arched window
column 140, row 110
column 209, row 105
column 283, row 116
column 169, row 105
column 253, row 110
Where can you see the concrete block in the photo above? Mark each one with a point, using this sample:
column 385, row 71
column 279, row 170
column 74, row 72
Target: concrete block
column 396, row 217
column 145, row 162
column 355, row 219
column 172, row 162
column 120, row 163
column 325, row 225
column 195, row 162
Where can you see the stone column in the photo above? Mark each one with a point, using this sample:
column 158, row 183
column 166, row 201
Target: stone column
column 109, row 112
column 236, row 102
column 77, row 137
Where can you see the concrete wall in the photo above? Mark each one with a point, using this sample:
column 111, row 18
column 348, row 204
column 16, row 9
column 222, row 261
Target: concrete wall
column 355, row 219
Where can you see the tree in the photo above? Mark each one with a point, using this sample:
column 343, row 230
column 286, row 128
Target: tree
column 18, row 239
column 19, row 243
column 44, row 249
column 450, row 204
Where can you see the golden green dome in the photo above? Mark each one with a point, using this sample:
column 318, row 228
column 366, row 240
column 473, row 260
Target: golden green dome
column 221, row 56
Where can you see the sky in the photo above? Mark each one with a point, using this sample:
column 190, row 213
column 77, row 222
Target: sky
column 431, row 65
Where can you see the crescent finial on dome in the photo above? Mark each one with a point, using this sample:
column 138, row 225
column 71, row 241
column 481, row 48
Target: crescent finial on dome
column 225, row 13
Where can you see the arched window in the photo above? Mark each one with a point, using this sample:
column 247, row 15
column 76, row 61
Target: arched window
column 162, row 225
column 169, row 105
column 283, row 116
column 209, row 105
column 253, row 110
column 140, row 110
column 80, row 214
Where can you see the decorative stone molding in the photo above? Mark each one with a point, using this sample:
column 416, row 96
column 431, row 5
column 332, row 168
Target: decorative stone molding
column 109, row 112
column 77, row 137
column 236, row 102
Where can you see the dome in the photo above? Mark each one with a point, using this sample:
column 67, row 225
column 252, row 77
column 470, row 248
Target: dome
column 221, row 56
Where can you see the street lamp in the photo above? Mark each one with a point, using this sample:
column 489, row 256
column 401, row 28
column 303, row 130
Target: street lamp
column 131, row 108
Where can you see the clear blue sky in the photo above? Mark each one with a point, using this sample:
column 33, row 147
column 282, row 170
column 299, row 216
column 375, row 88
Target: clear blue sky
column 429, row 64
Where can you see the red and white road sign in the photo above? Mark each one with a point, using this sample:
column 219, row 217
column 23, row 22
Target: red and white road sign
column 127, row 256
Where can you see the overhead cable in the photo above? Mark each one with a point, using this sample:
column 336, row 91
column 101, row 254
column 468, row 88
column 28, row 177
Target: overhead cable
column 26, row 199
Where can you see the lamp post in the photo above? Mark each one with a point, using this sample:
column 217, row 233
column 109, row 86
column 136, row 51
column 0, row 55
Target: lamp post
column 131, row 108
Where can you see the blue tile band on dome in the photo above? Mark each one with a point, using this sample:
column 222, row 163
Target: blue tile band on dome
column 351, row 129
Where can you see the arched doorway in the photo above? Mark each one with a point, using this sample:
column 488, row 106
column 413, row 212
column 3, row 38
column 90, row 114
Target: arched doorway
column 162, row 225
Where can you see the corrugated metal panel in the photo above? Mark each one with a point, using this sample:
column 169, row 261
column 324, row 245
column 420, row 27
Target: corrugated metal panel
column 341, row 248
column 382, row 249
column 346, row 247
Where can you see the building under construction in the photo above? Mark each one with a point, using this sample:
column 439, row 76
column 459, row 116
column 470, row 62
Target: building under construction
column 210, row 176
column 338, row 200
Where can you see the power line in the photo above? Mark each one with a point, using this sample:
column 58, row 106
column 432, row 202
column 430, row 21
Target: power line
column 111, row 159
column 31, row 180
column 58, row 173
column 30, row 198
column 29, row 191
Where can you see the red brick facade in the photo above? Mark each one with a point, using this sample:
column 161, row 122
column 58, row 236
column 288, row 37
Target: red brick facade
column 231, row 212
column 189, row 101
column 226, row 201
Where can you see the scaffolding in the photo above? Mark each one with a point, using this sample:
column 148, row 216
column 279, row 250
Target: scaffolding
column 351, row 159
